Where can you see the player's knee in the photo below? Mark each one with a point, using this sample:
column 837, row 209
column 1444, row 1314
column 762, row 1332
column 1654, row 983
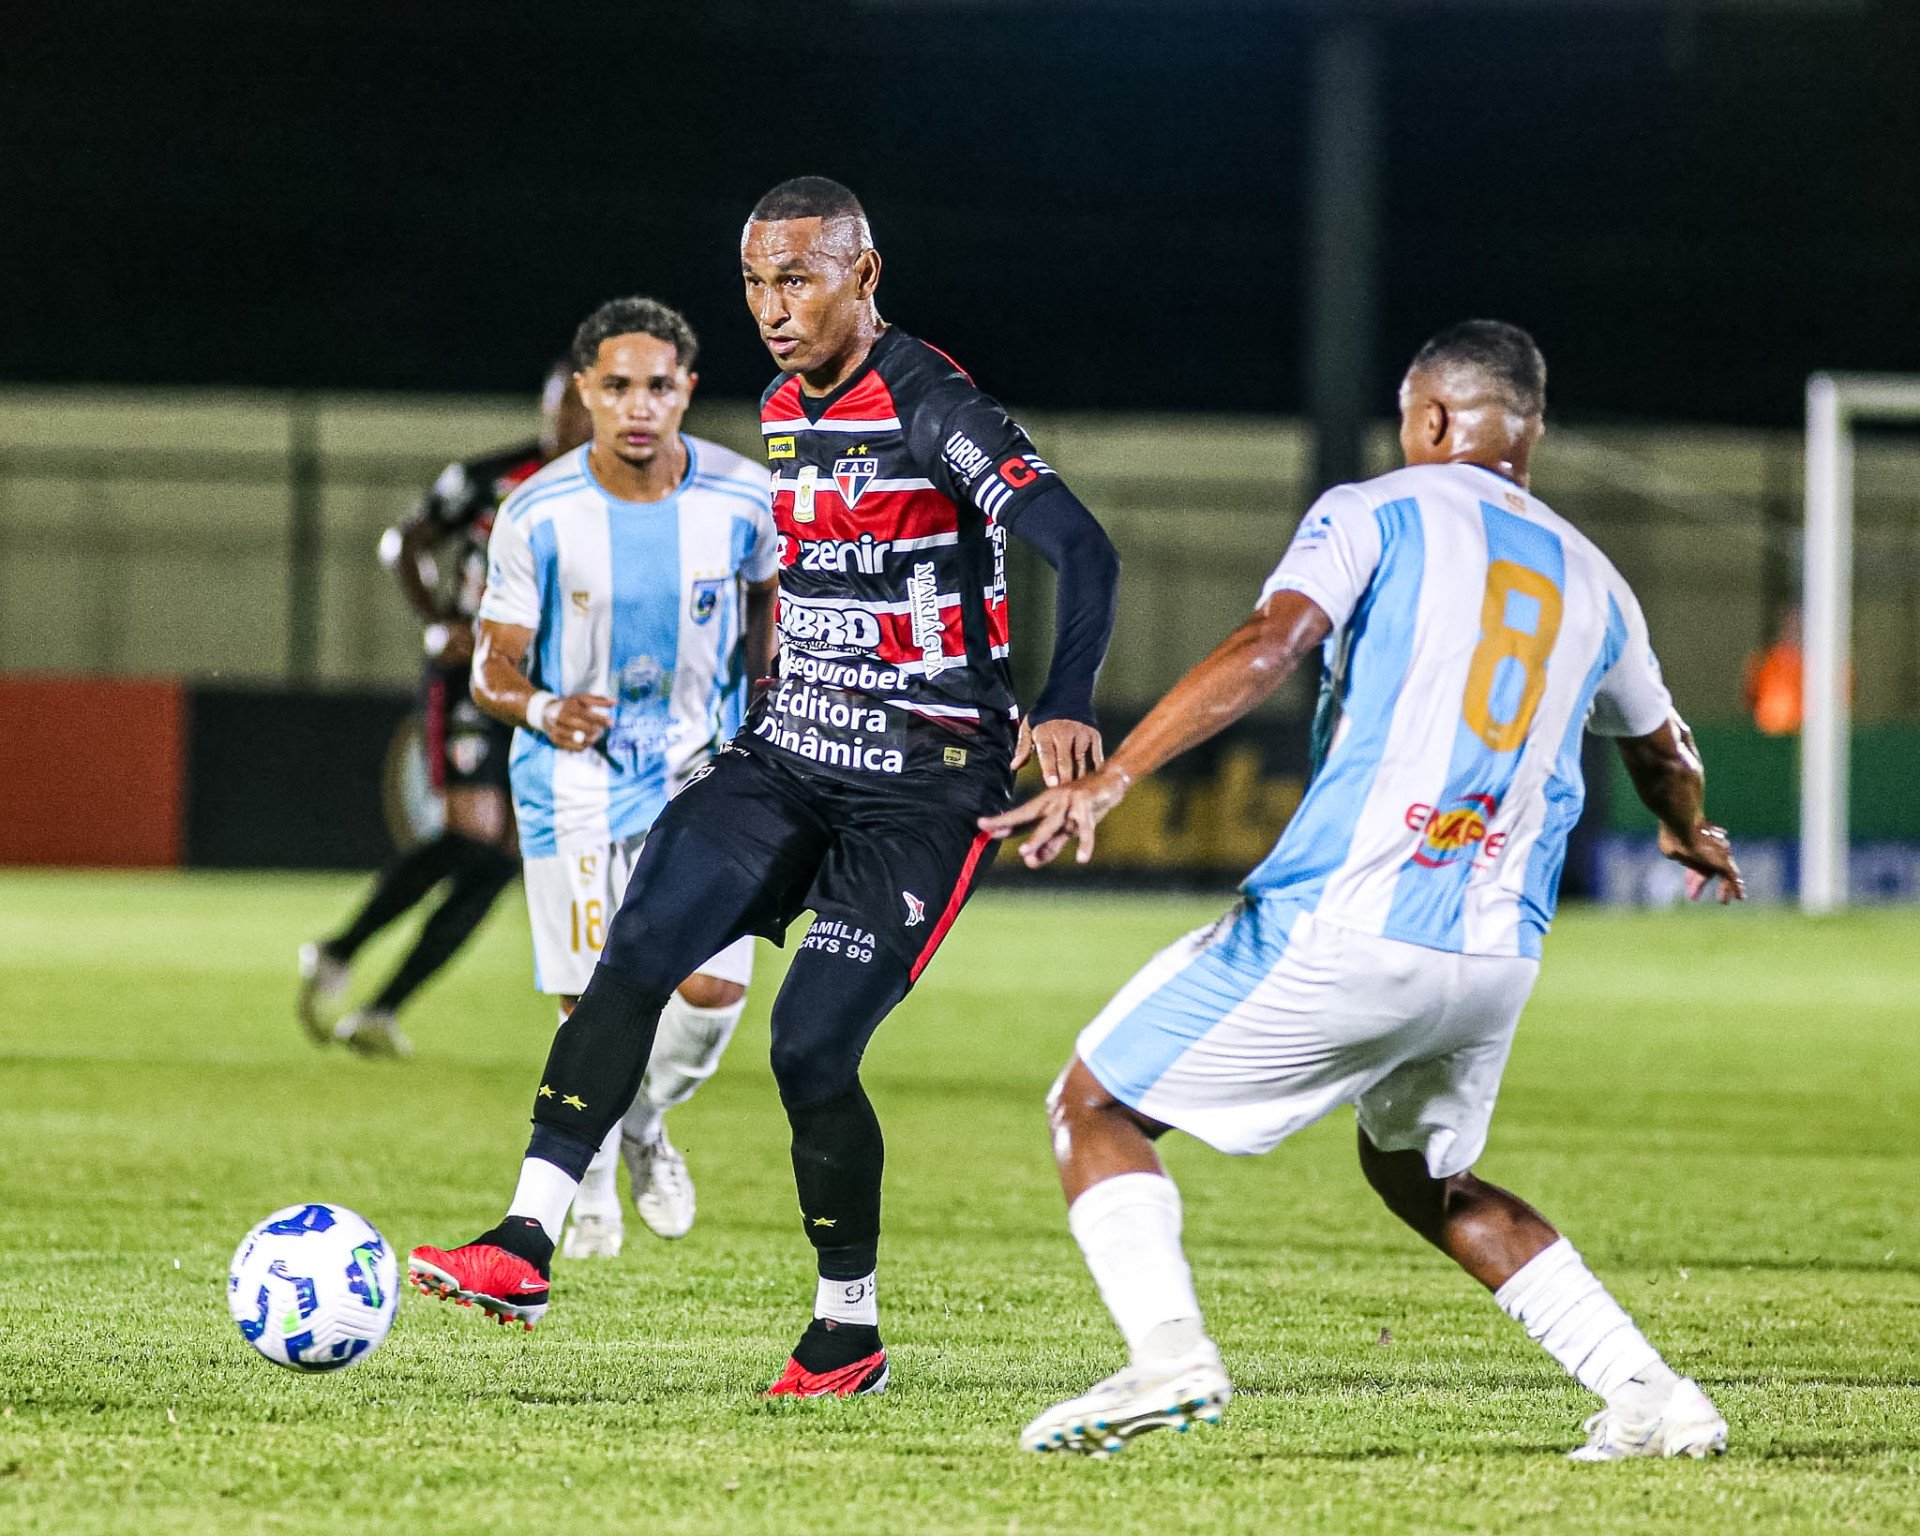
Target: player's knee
column 703, row 991
column 1077, row 1099
column 811, row 1073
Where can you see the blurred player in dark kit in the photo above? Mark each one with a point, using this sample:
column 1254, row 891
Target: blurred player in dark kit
column 441, row 562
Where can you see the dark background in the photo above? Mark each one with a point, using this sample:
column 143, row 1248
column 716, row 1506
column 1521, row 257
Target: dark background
column 1092, row 207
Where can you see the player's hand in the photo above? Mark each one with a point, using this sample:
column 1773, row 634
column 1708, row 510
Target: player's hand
column 1066, row 813
column 1706, row 856
column 1067, row 750
column 578, row 721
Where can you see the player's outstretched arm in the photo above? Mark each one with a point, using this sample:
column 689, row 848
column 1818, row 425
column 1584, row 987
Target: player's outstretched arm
column 1668, row 776
column 500, row 687
column 1241, row 672
column 1061, row 729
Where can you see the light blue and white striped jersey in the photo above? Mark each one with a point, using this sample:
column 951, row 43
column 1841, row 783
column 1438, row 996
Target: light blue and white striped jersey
column 1476, row 633
column 640, row 601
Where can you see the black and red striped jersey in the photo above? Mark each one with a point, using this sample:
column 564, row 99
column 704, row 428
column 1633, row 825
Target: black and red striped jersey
column 892, row 496
column 461, row 504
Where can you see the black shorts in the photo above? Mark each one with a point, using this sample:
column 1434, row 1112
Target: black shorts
column 466, row 747
column 884, row 865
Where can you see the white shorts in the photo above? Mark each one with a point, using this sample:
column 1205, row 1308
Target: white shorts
column 572, row 896
column 1248, row 1030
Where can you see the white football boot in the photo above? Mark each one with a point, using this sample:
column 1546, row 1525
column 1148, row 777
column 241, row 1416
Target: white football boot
column 593, row 1235
column 662, row 1187
column 373, row 1032
column 1687, row 1424
column 323, row 980
column 1172, row 1394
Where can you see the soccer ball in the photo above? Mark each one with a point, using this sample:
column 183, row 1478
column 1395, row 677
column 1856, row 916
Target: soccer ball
column 313, row 1287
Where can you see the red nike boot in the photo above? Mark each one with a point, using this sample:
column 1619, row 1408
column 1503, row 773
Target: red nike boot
column 484, row 1273
column 834, row 1360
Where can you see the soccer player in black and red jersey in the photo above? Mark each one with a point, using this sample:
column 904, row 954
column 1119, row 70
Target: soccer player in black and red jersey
column 855, row 786
column 440, row 557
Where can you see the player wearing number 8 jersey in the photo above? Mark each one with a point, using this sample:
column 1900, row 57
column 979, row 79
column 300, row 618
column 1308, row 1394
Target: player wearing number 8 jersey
column 1382, row 953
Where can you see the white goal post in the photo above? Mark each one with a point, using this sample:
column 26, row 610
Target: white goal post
column 1835, row 401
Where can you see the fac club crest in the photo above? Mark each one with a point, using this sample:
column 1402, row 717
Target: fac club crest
column 705, row 601
column 853, row 476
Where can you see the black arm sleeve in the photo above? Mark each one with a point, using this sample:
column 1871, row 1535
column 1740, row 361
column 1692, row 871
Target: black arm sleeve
column 1072, row 541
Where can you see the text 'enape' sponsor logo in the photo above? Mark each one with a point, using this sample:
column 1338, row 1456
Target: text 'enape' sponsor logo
column 780, row 448
column 851, row 477
column 847, row 629
column 1455, row 832
column 923, row 605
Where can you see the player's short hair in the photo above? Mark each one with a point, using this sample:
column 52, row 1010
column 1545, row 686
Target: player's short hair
column 807, row 197
column 1503, row 355
column 633, row 317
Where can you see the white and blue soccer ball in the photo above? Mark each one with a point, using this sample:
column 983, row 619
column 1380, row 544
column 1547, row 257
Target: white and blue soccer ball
column 314, row 1287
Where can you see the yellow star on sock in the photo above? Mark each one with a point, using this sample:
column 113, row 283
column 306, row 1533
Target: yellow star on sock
column 823, row 1221
column 574, row 1101
column 546, row 1092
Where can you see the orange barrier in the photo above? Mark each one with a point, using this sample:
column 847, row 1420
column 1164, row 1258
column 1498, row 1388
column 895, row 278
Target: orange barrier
column 92, row 771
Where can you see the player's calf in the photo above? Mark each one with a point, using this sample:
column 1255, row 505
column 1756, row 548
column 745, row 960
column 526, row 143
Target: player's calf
column 1541, row 1282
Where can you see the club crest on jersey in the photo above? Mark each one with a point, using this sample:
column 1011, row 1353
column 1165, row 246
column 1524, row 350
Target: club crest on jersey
column 706, row 598
column 853, row 476
column 916, row 909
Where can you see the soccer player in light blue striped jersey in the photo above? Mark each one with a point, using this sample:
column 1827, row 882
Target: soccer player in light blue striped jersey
column 629, row 606
column 1381, row 955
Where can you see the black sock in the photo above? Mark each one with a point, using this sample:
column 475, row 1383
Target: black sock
column 830, row 1346
column 838, row 1158
column 596, row 1061
column 479, row 877
column 400, row 886
column 525, row 1238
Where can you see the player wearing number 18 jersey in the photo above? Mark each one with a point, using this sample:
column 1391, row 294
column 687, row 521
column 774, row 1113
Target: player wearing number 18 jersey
column 856, row 788
column 1381, row 956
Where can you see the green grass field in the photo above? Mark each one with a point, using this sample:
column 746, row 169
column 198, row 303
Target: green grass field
column 1719, row 1108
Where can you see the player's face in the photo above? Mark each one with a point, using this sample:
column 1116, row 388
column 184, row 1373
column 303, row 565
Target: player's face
column 808, row 284
column 637, row 394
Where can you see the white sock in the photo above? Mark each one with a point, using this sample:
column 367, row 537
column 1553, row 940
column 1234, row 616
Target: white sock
column 544, row 1192
column 1128, row 1228
column 686, row 1050
column 599, row 1192
column 848, row 1301
column 1555, row 1297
